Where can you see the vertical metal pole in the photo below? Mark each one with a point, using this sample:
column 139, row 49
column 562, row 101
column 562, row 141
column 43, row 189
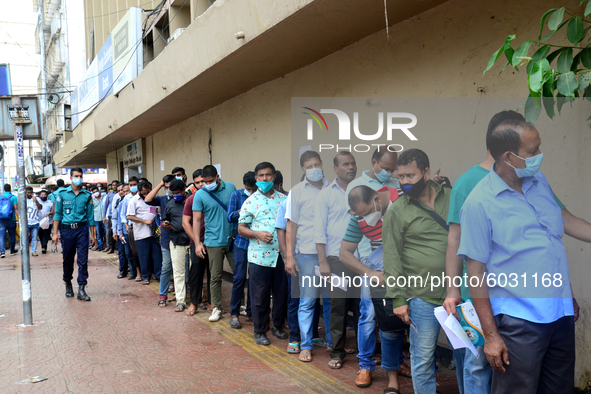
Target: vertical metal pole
column 23, row 223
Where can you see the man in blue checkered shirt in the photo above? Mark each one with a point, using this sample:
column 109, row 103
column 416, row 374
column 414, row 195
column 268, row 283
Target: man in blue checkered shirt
column 240, row 249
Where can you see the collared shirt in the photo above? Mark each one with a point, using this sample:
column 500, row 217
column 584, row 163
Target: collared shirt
column 217, row 228
column 46, row 207
column 236, row 200
column 107, row 209
column 520, row 236
column 261, row 213
column 300, row 210
column 364, row 248
column 98, row 211
column 73, row 208
column 52, row 196
column 13, row 202
column 137, row 207
column 115, row 214
column 281, row 212
column 331, row 218
column 415, row 246
column 123, row 213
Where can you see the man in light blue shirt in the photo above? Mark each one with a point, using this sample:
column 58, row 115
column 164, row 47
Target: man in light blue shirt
column 123, row 229
column 511, row 236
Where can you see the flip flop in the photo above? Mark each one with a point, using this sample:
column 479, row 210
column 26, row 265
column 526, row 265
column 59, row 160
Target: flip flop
column 293, row 348
column 179, row 308
column 338, row 365
column 309, row 353
column 392, row 390
column 320, row 342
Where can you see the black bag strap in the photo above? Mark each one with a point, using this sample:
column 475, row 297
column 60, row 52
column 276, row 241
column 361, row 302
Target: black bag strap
column 218, row 201
column 431, row 213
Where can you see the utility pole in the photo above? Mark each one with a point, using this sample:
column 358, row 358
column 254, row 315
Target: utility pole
column 23, row 220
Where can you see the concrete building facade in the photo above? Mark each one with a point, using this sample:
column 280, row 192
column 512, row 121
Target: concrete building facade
column 221, row 91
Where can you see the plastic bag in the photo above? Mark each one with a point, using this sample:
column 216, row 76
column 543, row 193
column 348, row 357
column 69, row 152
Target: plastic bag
column 44, row 223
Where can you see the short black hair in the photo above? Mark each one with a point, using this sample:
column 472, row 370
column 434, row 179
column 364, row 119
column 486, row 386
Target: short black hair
column 168, row 178
column 308, row 155
column 208, row 171
column 177, row 184
column 76, row 169
column 263, row 165
column 278, row 178
column 177, row 169
column 94, row 188
column 123, row 184
column 379, row 152
column 500, row 118
column 144, row 180
column 249, row 179
column 44, row 191
column 416, row 155
column 53, row 188
column 505, row 137
column 361, row 193
column 60, row 183
column 144, row 185
column 133, row 178
column 29, row 188
column 335, row 161
column 8, row 188
column 114, row 181
column 197, row 173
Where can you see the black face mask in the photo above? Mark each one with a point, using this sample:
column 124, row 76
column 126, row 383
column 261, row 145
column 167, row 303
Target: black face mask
column 43, row 198
column 415, row 189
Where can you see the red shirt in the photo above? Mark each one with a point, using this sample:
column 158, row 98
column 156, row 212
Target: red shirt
column 188, row 211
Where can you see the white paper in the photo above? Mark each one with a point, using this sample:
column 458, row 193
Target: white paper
column 219, row 168
column 454, row 331
column 304, row 149
column 342, row 286
column 161, row 165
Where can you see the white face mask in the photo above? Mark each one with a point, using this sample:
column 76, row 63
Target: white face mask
column 373, row 218
column 96, row 194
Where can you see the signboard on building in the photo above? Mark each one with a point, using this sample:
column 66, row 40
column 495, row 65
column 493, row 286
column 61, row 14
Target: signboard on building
column 117, row 63
column 132, row 154
column 19, row 114
column 27, row 113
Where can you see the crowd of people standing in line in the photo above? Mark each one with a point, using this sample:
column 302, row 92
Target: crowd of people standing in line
column 398, row 207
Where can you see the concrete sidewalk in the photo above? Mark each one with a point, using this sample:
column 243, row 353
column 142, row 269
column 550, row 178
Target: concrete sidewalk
column 121, row 342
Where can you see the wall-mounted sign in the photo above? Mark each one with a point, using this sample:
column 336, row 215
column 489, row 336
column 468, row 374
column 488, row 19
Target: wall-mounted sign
column 132, row 154
column 19, row 114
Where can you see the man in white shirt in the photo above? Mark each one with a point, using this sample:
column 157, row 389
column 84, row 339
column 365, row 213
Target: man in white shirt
column 33, row 209
column 46, row 212
column 148, row 247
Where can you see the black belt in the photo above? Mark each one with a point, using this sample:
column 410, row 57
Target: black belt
column 74, row 225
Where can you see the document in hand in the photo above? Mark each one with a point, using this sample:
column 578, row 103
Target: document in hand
column 464, row 333
column 375, row 260
column 335, row 280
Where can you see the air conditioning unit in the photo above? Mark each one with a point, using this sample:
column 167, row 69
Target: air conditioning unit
column 175, row 35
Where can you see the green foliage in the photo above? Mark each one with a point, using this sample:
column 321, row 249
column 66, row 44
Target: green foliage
column 556, row 74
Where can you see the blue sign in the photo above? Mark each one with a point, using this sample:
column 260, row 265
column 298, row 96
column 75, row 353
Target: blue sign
column 5, row 86
column 105, row 69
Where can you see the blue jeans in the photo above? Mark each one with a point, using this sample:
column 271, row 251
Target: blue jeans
column 366, row 329
column 423, row 346
column 309, row 294
column 165, row 273
column 33, row 233
column 240, row 269
column 392, row 343
column 10, row 226
column 474, row 374
column 150, row 256
column 100, row 233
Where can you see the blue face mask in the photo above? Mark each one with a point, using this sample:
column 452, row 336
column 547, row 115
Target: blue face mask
column 133, row 189
column 180, row 178
column 211, row 187
column 76, row 181
column 265, row 186
column 532, row 165
column 314, row 174
column 383, row 175
column 179, row 197
column 246, row 192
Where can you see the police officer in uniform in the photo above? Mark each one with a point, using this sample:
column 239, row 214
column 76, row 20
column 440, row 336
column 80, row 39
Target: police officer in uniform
column 75, row 211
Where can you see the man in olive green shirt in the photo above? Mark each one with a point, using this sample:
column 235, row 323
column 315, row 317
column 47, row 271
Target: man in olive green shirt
column 415, row 243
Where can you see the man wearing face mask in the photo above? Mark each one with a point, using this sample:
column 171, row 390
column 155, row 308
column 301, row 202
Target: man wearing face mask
column 415, row 244
column 107, row 205
column 46, row 212
column 267, row 272
column 148, row 248
column 179, row 173
column 98, row 217
column 512, row 226
column 75, row 212
column 212, row 201
column 124, row 265
column 240, row 250
column 153, row 200
column 125, row 227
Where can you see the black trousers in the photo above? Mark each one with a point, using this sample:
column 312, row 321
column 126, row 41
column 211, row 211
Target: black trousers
column 196, row 273
column 109, row 237
column 340, row 304
column 44, row 236
column 261, row 282
column 541, row 357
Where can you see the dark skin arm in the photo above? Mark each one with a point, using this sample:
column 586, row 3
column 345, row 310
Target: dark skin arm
column 453, row 268
column 576, row 227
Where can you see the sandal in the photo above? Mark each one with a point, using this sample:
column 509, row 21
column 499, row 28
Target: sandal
column 350, row 350
column 139, row 279
column 391, row 390
column 145, row 282
column 203, row 306
column 293, row 348
column 162, row 303
column 304, row 354
column 405, row 370
column 321, row 342
column 337, row 365
column 191, row 310
column 179, row 308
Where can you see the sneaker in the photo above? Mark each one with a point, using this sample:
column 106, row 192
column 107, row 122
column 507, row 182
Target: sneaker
column 216, row 314
column 34, row 254
column 2, row 256
column 13, row 253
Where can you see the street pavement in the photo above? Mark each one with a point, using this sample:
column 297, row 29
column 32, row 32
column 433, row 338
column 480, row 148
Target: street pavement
column 121, row 342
